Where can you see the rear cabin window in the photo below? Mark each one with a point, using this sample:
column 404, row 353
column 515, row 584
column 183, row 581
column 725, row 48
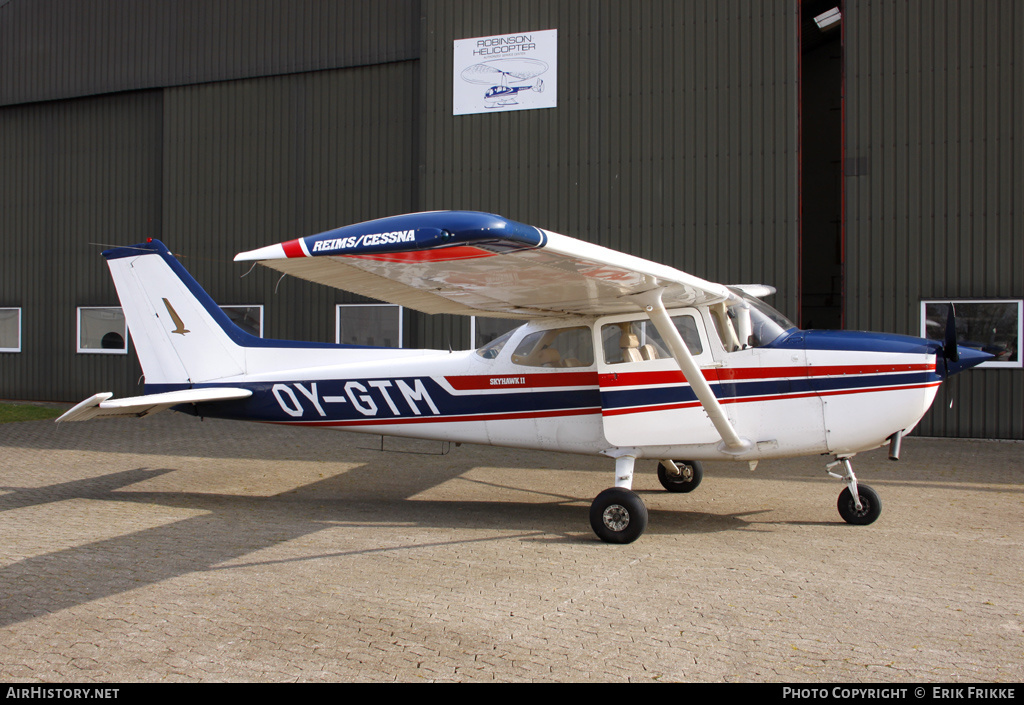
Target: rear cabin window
column 559, row 347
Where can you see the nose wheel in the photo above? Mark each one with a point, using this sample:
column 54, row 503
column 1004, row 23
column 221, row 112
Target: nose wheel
column 870, row 506
column 858, row 504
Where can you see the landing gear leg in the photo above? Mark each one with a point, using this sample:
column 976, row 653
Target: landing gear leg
column 858, row 504
column 618, row 515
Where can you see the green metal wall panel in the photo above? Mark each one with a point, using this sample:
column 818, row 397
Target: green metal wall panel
column 257, row 161
column 675, row 138
column 55, row 49
column 74, row 175
column 675, row 135
column 934, row 92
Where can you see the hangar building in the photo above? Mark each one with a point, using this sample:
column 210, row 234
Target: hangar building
column 865, row 157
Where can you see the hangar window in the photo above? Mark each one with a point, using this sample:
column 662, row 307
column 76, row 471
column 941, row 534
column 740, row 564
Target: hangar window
column 248, row 318
column 10, row 330
column 369, row 325
column 991, row 325
column 102, row 330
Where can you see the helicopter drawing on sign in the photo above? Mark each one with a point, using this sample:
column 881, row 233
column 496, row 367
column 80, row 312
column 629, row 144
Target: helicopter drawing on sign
column 499, row 73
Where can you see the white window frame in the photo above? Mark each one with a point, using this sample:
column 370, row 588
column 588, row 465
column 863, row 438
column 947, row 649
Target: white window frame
column 1019, row 303
column 99, row 351
column 18, row 348
column 226, row 307
column 397, row 308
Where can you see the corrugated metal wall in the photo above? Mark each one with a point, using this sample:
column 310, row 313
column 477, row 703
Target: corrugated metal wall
column 213, row 167
column 675, row 135
column 675, row 138
column 934, row 195
column 72, row 173
column 52, row 49
column 258, row 161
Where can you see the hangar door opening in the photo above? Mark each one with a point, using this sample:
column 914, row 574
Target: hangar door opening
column 821, row 164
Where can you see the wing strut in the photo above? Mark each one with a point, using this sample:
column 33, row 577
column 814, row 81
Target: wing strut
column 731, row 441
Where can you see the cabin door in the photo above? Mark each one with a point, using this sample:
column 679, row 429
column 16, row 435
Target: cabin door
column 645, row 398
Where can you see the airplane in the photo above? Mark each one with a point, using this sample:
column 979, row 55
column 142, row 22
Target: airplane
column 618, row 357
column 516, row 69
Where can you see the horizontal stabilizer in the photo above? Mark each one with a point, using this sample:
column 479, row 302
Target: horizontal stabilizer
column 101, row 405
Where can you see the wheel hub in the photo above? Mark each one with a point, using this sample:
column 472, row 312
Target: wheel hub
column 616, row 517
column 865, row 507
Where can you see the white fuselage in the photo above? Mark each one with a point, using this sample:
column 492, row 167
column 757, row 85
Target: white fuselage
column 795, row 399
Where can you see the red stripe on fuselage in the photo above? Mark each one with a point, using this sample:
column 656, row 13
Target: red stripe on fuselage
column 722, row 374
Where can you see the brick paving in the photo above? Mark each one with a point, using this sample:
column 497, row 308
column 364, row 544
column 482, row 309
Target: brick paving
column 173, row 549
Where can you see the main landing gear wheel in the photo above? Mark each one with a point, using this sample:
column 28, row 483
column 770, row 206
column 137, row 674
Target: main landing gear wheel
column 685, row 477
column 618, row 515
column 871, row 506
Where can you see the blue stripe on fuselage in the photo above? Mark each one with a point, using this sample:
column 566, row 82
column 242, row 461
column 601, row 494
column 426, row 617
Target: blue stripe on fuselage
column 381, row 399
column 792, row 386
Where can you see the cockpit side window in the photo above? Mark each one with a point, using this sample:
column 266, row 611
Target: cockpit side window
column 639, row 341
column 559, row 347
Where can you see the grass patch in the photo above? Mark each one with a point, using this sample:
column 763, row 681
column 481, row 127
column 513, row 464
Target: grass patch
column 26, row 412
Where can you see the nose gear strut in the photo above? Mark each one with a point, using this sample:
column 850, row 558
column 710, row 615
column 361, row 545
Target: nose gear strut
column 858, row 504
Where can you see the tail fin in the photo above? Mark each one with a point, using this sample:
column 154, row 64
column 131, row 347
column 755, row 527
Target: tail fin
column 180, row 334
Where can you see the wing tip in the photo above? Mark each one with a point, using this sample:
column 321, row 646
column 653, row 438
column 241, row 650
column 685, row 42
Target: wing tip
column 84, row 410
column 276, row 251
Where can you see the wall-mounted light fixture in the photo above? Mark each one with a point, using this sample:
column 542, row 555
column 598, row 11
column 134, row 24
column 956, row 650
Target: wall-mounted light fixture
column 827, row 20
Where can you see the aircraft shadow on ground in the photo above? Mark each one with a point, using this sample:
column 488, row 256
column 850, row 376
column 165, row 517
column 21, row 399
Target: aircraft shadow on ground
column 231, row 527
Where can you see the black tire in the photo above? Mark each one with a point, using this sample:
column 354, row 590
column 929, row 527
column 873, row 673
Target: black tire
column 872, row 506
column 692, row 474
column 618, row 515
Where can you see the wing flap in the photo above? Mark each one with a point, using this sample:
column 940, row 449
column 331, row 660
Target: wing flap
column 101, row 405
column 476, row 263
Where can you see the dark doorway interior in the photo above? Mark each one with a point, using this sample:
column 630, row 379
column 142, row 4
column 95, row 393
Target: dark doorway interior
column 821, row 154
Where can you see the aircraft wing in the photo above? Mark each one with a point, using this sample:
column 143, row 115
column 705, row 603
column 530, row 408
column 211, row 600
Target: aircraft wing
column 100, row 405
column 472, row 263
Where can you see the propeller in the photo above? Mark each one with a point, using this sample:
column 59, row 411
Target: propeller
column 950, row 349
column 959, row 358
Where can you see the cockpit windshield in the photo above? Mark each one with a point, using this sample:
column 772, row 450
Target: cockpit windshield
column 491, row 349
column 745, row 321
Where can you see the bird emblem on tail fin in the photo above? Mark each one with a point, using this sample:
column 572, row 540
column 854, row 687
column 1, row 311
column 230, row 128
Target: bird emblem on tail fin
column 179, row 325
